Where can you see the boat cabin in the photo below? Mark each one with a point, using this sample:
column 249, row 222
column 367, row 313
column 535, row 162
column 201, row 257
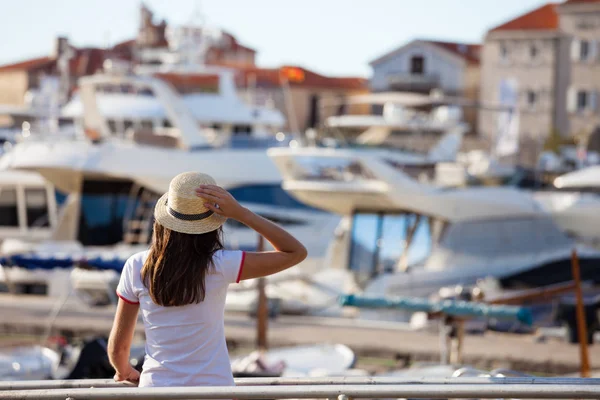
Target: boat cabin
column 402, row 237
column 28, row 206
column 169, row 109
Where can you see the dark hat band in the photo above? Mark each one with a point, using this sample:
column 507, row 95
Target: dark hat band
column 189, row 217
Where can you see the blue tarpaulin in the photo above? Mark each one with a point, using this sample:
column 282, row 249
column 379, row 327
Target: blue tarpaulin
column 48, row 263
column 458, row 308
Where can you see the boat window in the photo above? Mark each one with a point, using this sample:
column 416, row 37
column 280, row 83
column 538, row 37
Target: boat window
column 112, row 125
column 391, row 242
column 147, row 92
column 167, row 124
column 9, row 215
column 37, row 288
column 518, row 236
column 363, row 249
column 242, row 129
column 283, row 221
column 36, row 203
column 146, row 124
column 127, row 124
column 379, row 242
column 266, row 194
column 60, row 198
column 331, row 169
column 252, row 142
column 103, row 208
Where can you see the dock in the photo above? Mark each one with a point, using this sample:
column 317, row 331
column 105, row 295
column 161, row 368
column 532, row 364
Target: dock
column 33, row 315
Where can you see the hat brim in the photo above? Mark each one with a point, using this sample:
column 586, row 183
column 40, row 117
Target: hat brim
column 162, row 216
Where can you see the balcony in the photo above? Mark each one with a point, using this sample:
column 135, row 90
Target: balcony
column 413, row 82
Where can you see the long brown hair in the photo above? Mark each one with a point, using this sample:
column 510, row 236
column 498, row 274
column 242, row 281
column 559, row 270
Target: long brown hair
column 175, row 270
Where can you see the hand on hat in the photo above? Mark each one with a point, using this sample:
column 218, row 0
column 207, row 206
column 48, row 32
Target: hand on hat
column 220, row 201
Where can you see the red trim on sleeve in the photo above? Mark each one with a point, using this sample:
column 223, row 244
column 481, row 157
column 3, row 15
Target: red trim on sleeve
column 127, row 301
column 241, row 267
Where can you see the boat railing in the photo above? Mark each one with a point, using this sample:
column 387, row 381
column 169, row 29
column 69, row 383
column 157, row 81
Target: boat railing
column 342, row 388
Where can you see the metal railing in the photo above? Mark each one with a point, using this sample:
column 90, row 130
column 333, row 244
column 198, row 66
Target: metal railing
column 341, row 388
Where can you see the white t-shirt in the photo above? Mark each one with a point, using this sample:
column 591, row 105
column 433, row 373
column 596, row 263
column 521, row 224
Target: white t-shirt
column 185, row 346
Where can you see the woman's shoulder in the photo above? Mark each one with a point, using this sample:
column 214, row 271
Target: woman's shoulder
column 227, row 255
column 137, row 260
column 229, row 263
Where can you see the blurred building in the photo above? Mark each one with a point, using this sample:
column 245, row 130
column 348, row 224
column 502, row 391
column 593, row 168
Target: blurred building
column 425, row 65
column 156, row 42
column 529, row 56
column 580, row 19
column 298, row 92
column 19, row 78
column 549, row 58
column 295, row 91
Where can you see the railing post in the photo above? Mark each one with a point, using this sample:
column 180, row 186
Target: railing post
column 445, row 347
column 262, row 312
column 457, row 356
column 581, row 323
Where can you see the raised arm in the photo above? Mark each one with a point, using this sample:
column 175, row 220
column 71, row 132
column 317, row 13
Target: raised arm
column 288, row 251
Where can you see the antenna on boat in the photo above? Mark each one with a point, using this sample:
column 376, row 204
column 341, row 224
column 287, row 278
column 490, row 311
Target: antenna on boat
column 198, row 17
column 193, row 40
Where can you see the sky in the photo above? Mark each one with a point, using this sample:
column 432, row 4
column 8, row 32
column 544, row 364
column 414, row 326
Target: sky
column 333, row 37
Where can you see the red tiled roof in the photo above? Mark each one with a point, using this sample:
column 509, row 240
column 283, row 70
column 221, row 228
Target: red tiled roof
column 28, row 64
column 85, row 61
column 235, row 45
column 542, row 18
column 470, row 52
column 124, row 44
column 297, row 76
column 581, row 1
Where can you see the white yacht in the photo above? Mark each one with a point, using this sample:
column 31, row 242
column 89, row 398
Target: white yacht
column 585, row 179
column 402, row 237
column 135, row 133
column 110, row 179
column 401, row 112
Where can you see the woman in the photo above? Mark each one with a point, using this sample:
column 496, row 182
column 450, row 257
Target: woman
column 180, row 285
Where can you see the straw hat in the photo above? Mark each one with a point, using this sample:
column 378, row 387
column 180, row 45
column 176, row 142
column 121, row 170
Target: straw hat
column 181, row 210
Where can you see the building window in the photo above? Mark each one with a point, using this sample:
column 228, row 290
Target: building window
column 531, row 98
column 533, row 52
column 580, row 100
column 417, row 65
column 503, row 53
column 584, row 50
column 583, row 100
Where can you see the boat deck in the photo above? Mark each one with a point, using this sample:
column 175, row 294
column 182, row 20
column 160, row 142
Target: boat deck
column 32, row 314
